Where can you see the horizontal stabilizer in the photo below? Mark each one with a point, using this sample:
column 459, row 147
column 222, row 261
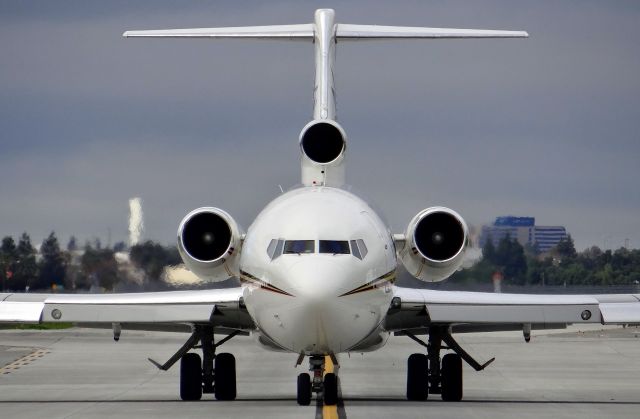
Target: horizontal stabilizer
column 304, row 31
column 346, row 31
column 325, row 33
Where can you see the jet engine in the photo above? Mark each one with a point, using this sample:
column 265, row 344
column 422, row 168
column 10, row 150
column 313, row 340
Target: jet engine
column 435, row 243
column 323, row 144
column 209, row 242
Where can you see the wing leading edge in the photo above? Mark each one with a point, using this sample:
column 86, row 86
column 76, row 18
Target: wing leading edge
column 419, row 308
column 217, row 307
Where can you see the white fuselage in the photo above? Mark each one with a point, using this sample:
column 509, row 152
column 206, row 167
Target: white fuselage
column 318, row 302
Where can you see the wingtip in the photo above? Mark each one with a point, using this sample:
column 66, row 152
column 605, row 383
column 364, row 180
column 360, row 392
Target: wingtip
column 125, row 34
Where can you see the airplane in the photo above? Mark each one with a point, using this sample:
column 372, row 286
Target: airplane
column 317, row 266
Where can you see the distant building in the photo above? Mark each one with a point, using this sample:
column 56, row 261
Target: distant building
column 547, row 237
column 525, row 231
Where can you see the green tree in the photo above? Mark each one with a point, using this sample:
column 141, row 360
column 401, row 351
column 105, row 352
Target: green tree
column 26, row 270
column 503, row 251
column 565, row 250
column 99, row 267
column 535, row 271
column 52, row 265
column 152, row 258
column 510, row 256
column 564, row 266
column 606, row 276
column 120, row 246
column 489, row 251
column 531, row 250
column 72, row 245
column 8, row 260
column 589, row 258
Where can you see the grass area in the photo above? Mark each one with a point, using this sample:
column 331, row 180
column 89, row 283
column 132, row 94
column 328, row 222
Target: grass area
column 41, row 326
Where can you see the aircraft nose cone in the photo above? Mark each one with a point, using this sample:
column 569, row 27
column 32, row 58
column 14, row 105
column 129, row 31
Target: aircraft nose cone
column 317, row 281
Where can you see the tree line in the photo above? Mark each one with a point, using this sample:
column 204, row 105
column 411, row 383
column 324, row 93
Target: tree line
column 563, row 265
column 75, row 269
column 22, row 268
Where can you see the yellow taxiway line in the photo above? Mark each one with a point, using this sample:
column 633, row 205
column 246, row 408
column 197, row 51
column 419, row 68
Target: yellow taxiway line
column 329, row 412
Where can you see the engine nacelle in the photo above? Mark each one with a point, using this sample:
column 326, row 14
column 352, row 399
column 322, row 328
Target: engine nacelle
column 209, row 242
column 323, row 144
column 435, row 243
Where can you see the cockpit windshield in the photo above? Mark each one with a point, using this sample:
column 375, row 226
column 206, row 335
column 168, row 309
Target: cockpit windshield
column 278, row 247
column 299, row 246
column 336, row 247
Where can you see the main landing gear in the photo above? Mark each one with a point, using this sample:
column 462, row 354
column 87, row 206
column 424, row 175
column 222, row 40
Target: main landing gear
column 427, row 374
column 326, row 384
column 210, row 374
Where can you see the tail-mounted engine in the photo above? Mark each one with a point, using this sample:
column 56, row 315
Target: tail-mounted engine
column 323, row 144
column 209, row 242
column 435, row 243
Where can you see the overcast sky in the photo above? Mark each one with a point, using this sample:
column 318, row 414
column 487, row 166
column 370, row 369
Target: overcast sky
column 546, row 127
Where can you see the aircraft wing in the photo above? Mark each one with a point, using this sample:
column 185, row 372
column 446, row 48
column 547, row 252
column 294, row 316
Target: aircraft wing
column 416, row 309
column 171, row 310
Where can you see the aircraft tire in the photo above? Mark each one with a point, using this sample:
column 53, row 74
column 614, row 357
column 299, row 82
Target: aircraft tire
column 225, row 377
column 452, row 378
column 190, row 377
column 304, row 389
column 417, row 377
column 330, row 389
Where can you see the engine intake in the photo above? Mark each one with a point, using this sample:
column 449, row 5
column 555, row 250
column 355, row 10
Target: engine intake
column 322, row 142
column 439, row 236
column 436, row 240
column 206, row 236
column 209, row 243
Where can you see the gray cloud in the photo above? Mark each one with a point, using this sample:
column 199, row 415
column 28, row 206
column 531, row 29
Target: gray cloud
column 546, row 126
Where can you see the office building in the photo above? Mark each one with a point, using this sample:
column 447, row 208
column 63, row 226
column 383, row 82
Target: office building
column 525, row 231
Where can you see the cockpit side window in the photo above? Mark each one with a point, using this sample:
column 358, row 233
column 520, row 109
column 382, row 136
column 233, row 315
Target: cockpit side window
column 336, row 247
column 299, row 246
column 362, row 247
column 358, row 248
column 271, row 249
column 279, row 248
column 275, row 248
column 355, row 250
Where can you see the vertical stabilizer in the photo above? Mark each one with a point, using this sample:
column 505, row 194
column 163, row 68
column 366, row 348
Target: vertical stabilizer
column 325, row 44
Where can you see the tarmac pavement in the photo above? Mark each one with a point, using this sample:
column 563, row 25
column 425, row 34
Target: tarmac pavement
column 82, row 373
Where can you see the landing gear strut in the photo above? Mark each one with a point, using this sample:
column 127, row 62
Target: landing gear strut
column 210, row 374
column 427, row 374
column 327, row 384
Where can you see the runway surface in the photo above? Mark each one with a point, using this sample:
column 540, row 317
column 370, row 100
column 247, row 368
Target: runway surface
column 82, row 373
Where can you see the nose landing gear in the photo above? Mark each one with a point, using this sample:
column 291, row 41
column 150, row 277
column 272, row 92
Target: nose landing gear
column 324, row 381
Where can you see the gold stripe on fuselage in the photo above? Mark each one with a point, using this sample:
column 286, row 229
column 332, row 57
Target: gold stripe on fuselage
column 246, row 277
column 389, row 277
